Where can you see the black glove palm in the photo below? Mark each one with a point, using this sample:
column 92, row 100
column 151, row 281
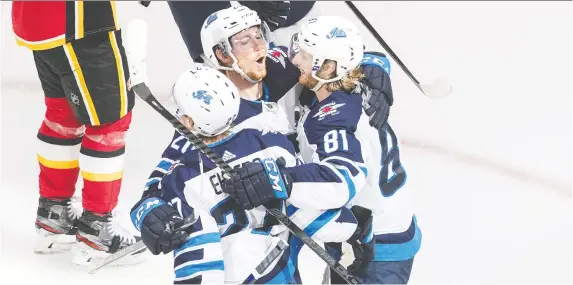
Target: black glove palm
column 158, row 230
column 274, row 13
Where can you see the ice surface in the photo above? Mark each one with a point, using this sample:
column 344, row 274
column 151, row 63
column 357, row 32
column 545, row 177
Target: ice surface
column 510, row 64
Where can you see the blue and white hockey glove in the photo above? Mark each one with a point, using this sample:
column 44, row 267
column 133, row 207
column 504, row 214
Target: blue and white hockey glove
column 258, row 183
column 377, row 94
column 157, row 221
column 362, row 241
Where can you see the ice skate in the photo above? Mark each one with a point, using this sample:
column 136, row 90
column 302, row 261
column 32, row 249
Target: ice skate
column 99, row 236
column 55, row 225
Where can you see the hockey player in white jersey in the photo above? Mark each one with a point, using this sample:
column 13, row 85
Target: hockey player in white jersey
column 328, row 58
column 396, row 233
column 227, row 242
column 237, row 35
column 235, row 41
column 327, row 45
column 397, row 236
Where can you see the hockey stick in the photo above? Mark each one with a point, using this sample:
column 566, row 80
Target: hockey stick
column 187, row 222
column 273, row 254
column 440, row 88
column 135, row 48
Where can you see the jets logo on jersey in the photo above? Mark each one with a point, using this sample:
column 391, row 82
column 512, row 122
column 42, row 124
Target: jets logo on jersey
column 202, row 95
column 328, row 109
column 336, row 33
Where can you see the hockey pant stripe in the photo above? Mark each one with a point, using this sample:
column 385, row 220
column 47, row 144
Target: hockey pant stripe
column 81, row 82
column 120, row 73
column 79, row 19
column 83, row 86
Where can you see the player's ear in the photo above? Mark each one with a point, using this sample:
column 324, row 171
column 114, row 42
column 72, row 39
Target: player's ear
column 223, row 58
column 187, row 122
column 329, row 68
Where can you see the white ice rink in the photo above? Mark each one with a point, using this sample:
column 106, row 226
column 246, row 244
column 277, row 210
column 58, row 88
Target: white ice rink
column 490, row 166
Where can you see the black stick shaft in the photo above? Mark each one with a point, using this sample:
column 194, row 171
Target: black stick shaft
column 383, row 43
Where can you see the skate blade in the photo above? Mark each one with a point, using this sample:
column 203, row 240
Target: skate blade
column 54, row 244
column 84, row 255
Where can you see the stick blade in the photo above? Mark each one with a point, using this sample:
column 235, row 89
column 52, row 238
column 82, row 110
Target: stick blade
column 438, row 89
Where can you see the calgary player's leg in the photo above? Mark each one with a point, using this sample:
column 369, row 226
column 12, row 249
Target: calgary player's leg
column 93, row 72
column 60, row 136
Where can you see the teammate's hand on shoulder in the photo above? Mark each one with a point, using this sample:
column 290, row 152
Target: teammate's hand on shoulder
column 274, row 13
column 157, row 222
column 362, row 241
column 258, row 183
column 377, row 89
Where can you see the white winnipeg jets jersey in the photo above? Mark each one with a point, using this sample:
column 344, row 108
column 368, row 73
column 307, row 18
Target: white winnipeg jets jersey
column 378, row 151
column 194, row 185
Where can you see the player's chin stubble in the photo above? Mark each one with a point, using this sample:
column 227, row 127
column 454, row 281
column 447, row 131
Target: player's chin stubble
column 257, row 73
column 307, row 81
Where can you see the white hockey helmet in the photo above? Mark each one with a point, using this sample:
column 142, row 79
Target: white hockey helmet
column 208, row 97
column 222, row 25
column 329, row 37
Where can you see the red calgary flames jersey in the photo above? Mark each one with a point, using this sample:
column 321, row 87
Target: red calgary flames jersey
column 41, row 25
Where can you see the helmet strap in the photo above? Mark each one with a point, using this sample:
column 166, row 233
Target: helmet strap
column 226, row 49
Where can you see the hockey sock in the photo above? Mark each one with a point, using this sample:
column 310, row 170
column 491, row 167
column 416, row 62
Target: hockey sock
column 102, row 162
column 59, row 143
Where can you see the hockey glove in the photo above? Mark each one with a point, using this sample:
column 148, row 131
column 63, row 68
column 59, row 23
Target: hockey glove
column 362, row 241
column 157, row 222
column 274, row 13
column 258, row 183
column 377, row 94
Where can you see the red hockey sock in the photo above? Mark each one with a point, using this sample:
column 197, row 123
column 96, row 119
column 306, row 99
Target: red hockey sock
column 101, row 162
column 59, row 143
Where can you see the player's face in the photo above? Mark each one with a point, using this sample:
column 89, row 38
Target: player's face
column 250, row 49
column 303, row 60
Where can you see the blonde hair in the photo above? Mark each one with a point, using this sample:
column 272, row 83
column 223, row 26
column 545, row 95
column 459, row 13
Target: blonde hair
column 347, row 83
column 187, row 121
column 217, row 138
